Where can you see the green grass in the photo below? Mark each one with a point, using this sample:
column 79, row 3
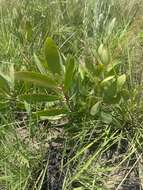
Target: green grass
column 90, row 149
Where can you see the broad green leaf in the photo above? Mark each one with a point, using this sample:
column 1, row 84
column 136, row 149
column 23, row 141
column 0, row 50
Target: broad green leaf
column 36, row 78
column 106, row 80
column 52, row 118
column 38, row 98
column 106, row 117
column 103, row 54
column 120, row 82
column 52, row 56
column 4, row 86
column 39, row 65
column 52, row 112
column 70, row 67
column 95, row 109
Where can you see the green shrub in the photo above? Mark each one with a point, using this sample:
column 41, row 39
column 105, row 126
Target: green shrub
column 84, row 90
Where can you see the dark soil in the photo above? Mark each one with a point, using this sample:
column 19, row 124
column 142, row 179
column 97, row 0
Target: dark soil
column 55, row 175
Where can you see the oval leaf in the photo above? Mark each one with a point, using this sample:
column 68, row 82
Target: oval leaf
column 121, row 81
column 52, row 112
column 107, row 80
column 95, row 109
column 106, row 117
column 38, row 98
column 36, row 78
column 52, row 56
column 103, row 54
column 70, row 67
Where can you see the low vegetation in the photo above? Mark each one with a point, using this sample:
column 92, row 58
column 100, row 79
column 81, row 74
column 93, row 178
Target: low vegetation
column 71, row 95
